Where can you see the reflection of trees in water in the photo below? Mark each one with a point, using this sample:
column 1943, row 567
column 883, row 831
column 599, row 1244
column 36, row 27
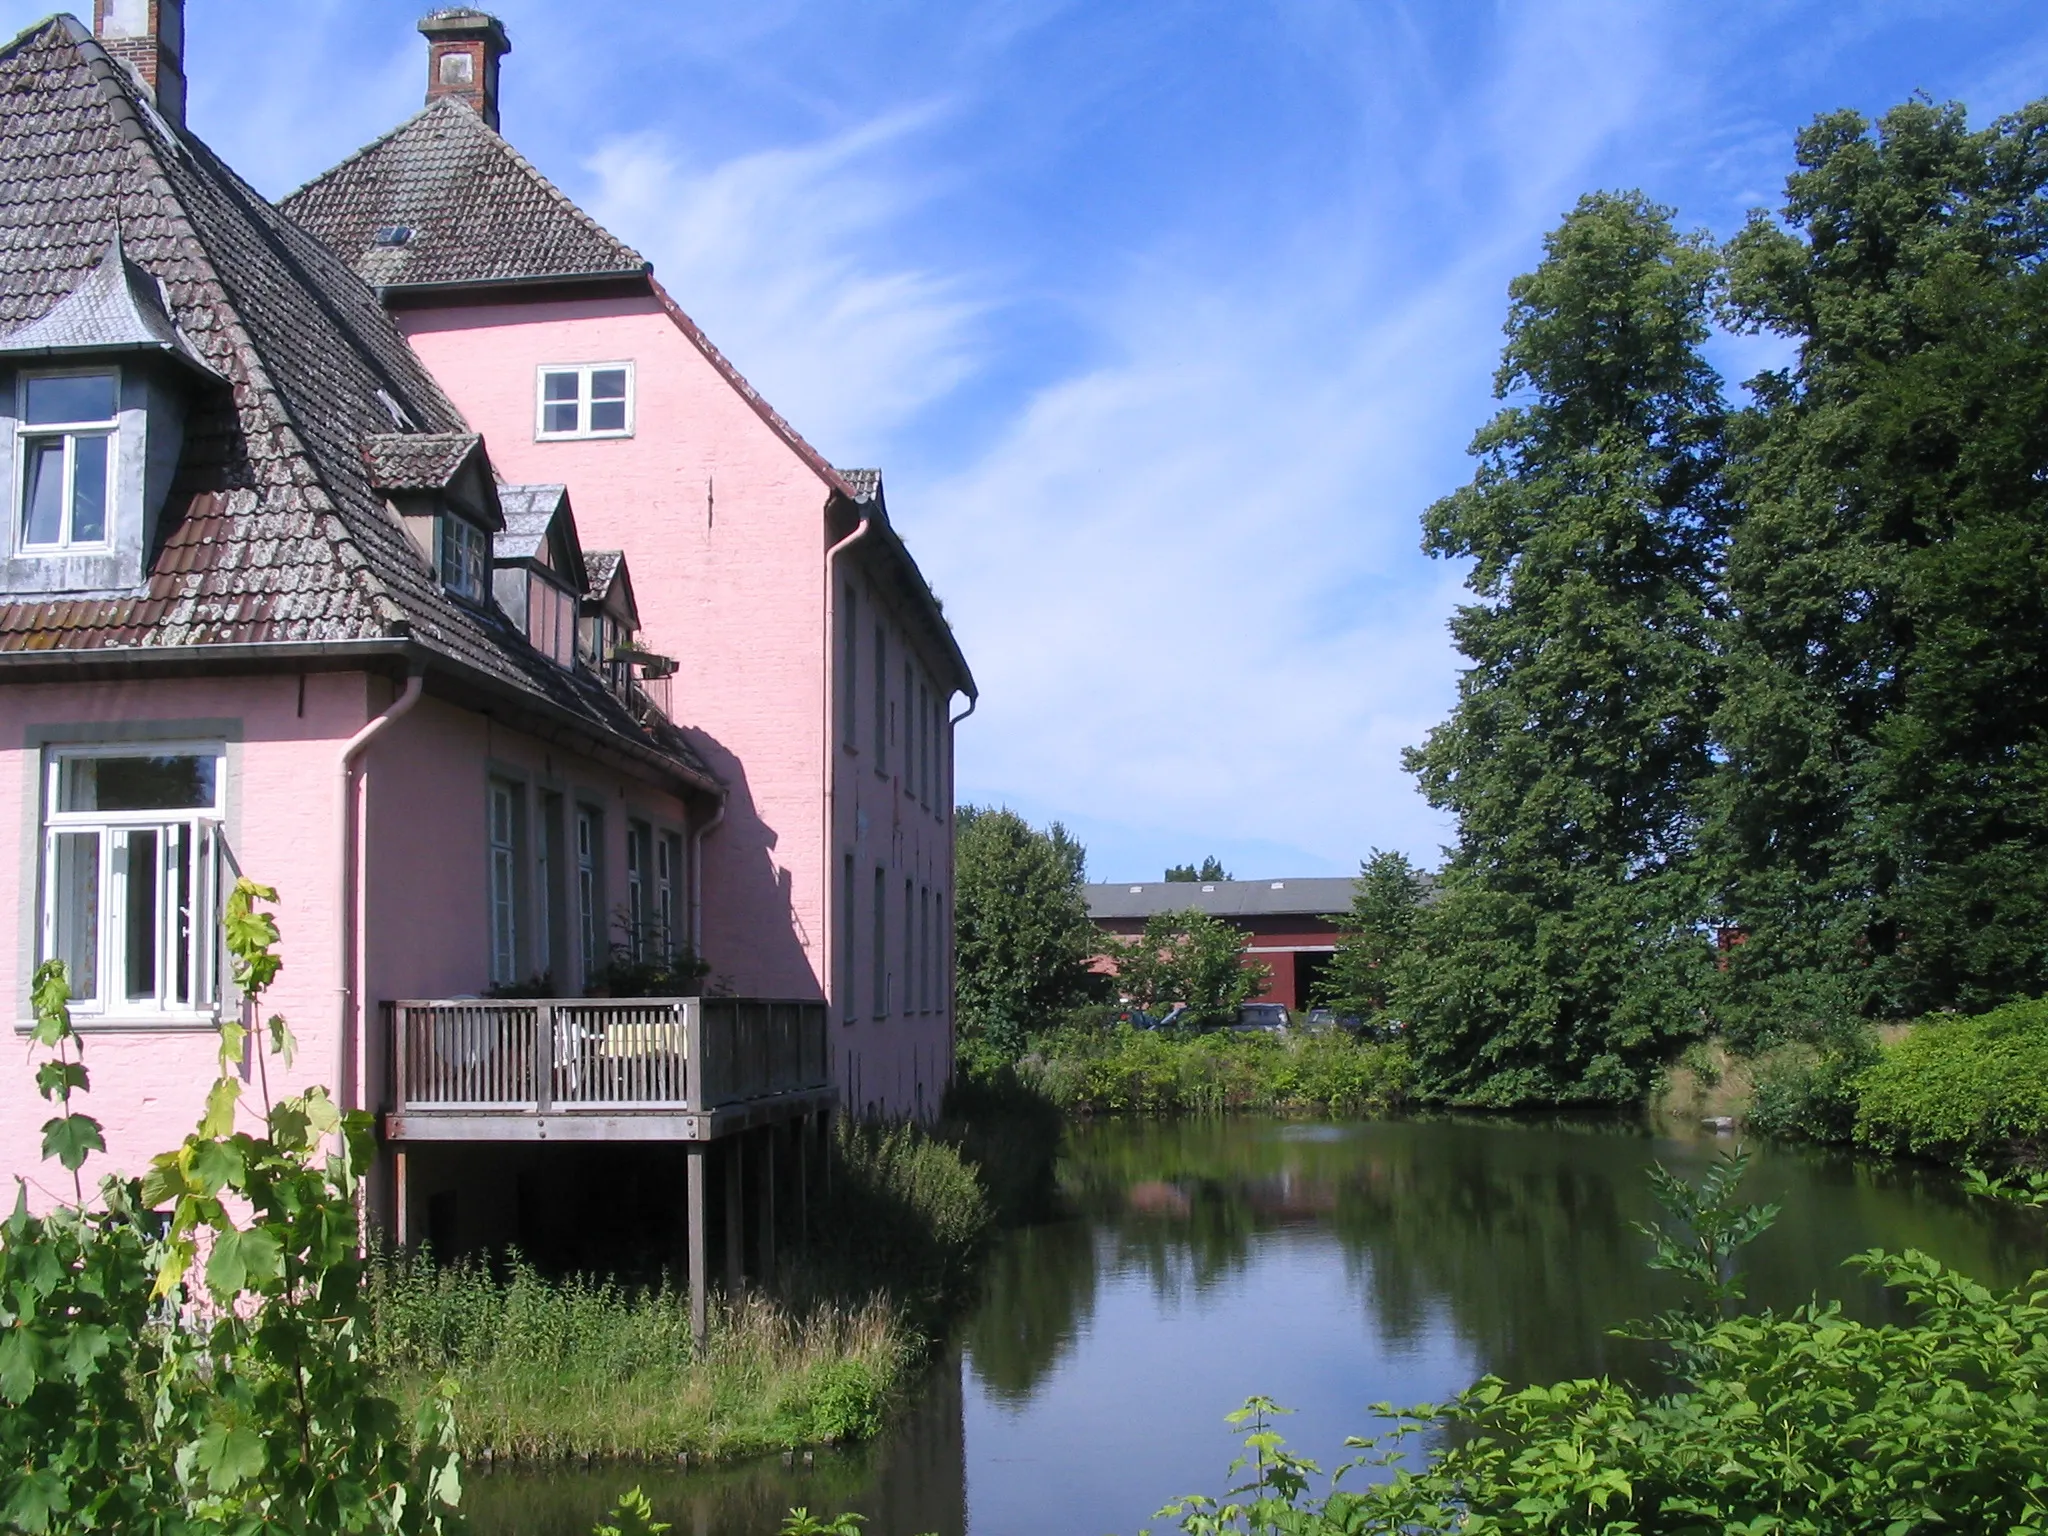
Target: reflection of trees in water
column 1520, row 1238
column 1040, row 1291
column 912, row 1480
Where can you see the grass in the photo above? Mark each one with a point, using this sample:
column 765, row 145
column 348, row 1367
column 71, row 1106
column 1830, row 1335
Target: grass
column 549, row 1368
column 1158, row 1072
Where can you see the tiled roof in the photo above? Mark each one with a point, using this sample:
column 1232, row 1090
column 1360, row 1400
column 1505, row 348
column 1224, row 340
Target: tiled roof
column 1316, row 897
column 454, row 203
column 530, row 510
column 863, row 483
column 275, row 534
column 603, row 565
column 417, row 461
column 118, row 308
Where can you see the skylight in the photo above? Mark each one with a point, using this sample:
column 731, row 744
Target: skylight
column 392, row 234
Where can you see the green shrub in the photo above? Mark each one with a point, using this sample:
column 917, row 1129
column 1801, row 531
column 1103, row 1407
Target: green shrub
column 904, row 1215
column 1156, row 1072
column 1962, row 1089
column 1809, row 1093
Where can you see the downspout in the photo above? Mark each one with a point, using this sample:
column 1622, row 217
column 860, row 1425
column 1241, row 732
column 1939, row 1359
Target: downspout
column 953, row 889
column 832, row 893
column 349, row 959
column 697, row 875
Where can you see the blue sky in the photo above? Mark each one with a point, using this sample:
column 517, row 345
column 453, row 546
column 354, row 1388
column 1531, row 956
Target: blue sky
column 1165, row 318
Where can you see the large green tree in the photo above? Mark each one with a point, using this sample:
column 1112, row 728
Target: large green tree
column 1191, row 959
column 1564, row 953
column 1374, row 936
column 1882, row 813
column 1022, row 937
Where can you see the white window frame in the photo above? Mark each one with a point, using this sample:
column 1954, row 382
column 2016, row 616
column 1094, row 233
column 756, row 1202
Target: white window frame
column 503, row 828
column 470, row 574
column 639, row 846
column 583, row 431
column 199, row 828
column 70, row 431
column 667, row 855
column 589, row 835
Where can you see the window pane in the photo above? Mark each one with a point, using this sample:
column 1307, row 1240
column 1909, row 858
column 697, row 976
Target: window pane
column 559, row 386
column 89, row 490
column 75, row 902
column 44, row 522
column 140, row 876
column 559, row 418
column 78, row 397
column 608, row 384
column 179, row 894
column 607, row 415
column 138, row 783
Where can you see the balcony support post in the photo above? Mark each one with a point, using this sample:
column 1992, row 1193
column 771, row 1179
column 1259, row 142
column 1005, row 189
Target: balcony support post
column 700, row 1321
column 735, row 1228
column 769, row 1135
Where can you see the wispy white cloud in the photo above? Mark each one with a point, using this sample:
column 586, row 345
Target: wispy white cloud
column 779, row 255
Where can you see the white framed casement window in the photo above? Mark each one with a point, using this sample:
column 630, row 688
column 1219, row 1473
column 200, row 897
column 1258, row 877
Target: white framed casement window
column 589, row 899
column 464, row 556
column 130, row 877
column 639, row 837
column 580, row 400
column 504, row 824
column 668, row 862
column 65, row 446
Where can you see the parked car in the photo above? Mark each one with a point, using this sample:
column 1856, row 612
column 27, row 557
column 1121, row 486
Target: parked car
column 1175, row 1017
column 1270, row 1018
column 1138, row 1018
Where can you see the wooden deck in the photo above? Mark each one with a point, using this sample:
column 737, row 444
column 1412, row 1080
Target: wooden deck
column 601, row 1069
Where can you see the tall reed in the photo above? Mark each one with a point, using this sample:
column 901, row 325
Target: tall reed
column 551, row 1368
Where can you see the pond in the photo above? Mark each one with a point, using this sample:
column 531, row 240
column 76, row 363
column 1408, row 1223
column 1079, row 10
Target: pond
column 1328, row 1266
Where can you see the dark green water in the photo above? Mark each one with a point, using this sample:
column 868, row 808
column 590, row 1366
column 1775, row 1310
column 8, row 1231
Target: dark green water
column 1329, row 1266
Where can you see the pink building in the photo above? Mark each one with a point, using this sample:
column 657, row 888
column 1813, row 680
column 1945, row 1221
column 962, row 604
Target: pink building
column 295, row 584
column 815, row 671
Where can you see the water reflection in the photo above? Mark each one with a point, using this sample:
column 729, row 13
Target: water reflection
column 1330, row 1266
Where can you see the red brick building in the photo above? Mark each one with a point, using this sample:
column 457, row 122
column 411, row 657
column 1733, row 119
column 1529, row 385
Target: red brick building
column 1291, row 924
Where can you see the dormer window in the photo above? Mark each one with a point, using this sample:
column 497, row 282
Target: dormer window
column 465, row 557
column 66, row 452
column 94, row 395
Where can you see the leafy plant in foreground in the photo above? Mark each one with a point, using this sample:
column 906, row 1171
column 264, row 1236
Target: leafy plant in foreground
column 186, row 1356
column 1809, row 1424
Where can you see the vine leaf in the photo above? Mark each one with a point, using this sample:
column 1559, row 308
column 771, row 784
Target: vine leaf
column 70, row 1139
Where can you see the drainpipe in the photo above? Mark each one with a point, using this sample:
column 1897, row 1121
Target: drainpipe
column 697, row 875
column 349, row 959
column 829, row 848
column 952, row 1020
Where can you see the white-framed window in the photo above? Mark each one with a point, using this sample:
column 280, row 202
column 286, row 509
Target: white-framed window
column 668, row 860
column 66, row 452
column 131, row 876
column 638, row 836
column 464, row 557
column 589, row 899
column 504, row 818
column 583, row 400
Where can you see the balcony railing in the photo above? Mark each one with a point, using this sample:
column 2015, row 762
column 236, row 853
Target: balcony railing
column 460, row 1068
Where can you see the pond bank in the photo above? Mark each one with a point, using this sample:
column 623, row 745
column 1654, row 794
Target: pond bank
column 1329, row 1264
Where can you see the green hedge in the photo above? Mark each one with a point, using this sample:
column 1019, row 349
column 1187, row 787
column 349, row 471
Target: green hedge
column 1962, row 1089
column 1157, row 1072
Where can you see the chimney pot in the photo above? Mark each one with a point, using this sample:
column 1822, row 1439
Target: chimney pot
column 149, row 37
column 463, row 49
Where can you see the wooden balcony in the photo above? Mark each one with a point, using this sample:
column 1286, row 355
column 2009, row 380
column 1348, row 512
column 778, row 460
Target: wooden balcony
column 602, row 1069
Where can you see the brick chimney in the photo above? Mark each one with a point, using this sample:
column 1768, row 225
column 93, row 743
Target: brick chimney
column 149, row 37
column 463, row 49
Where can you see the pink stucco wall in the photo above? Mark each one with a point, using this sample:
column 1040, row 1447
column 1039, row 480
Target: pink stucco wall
column 149, row 1083
column 723, row 526
column 424, row 858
